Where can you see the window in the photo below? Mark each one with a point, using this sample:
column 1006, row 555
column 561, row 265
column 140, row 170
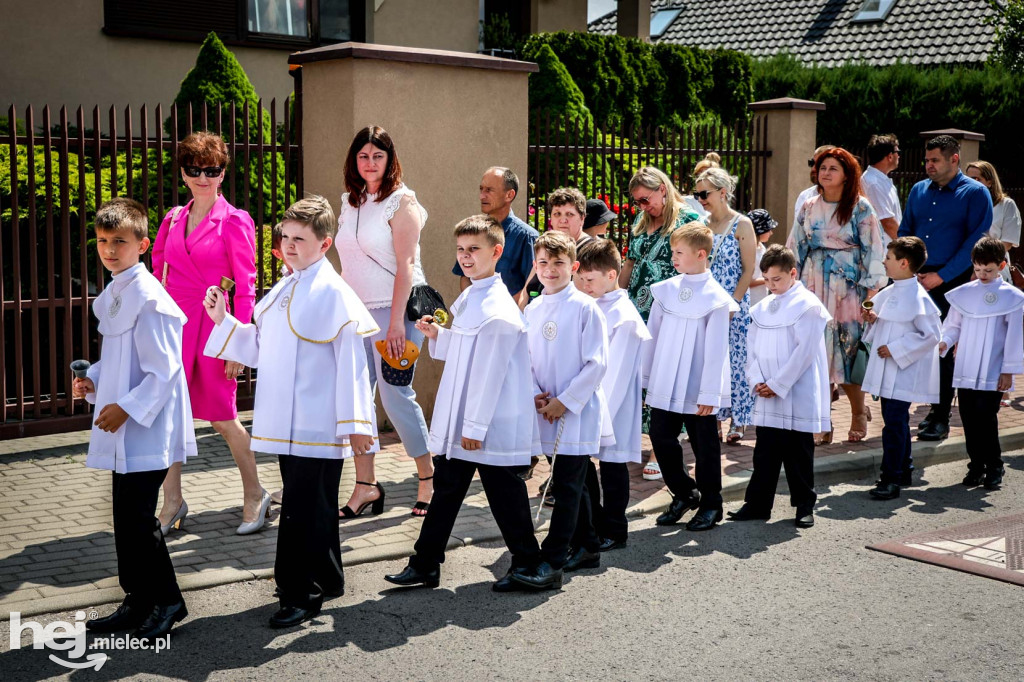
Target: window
column 289, row 24
column 662, row 19
column 873, row 10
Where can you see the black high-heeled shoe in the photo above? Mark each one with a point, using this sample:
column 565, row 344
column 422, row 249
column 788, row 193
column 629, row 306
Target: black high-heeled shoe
column 421, row 506
column 376, row 509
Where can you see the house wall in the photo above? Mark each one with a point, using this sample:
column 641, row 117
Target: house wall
column 558, row 15
column 437, row 24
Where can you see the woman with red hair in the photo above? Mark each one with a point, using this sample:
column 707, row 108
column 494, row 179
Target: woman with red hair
column 838, row 245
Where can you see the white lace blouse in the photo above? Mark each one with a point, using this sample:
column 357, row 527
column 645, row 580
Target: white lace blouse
column 369, row 262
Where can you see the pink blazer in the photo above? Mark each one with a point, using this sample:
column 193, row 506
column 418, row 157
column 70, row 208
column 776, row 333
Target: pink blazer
column 224, row 244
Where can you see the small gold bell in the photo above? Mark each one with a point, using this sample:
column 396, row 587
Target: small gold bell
column 442, row 317
column 867, row 305
column 226, row 284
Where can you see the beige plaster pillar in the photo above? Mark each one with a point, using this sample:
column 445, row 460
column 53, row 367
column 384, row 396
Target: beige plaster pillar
column 791, row 129
column 549, row 16
column 633, row 19
column 451, row 114
column 970, row 143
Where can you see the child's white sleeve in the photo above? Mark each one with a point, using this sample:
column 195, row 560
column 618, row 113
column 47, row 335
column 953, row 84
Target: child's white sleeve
column 352, row 394
column 951, row 329
column 716, row 376
column 93, row 373
column 912, row 346
column 439, row 347
column 493, row 351
column 647, row 356
column 623, row 355
column 157, row 340
column 594, row 350
column 1013, row 346
column 234, row 341
column 809, row 334
column 754, row 375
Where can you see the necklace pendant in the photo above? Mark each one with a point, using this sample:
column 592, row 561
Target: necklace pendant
column 115, row 306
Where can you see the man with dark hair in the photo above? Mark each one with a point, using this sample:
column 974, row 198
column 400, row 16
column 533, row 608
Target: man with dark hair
column 949, row 212
column 498, row 189
column 883, row 158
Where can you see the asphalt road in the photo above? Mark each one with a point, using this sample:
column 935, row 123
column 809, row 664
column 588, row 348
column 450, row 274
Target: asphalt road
column 751, row 601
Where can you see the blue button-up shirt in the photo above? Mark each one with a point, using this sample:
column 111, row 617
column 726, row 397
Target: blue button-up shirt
column 517, row 259
column 950, row 220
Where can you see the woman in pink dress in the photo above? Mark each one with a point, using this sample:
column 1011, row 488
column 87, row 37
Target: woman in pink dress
column 198, row 244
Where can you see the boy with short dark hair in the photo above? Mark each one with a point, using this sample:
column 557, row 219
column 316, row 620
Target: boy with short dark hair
column 903, row 367
column 687, row 376
column 598, row 277
column 985, row 323
column 569, row 354
column 144, row 419
column 314, row 407
column 483, row 422
column 787, row 367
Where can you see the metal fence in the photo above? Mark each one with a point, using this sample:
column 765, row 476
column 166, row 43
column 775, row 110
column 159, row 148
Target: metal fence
column 53, row 176
column 601, row 161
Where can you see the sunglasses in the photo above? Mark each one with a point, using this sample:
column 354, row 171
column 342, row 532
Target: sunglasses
column 810, row 163
column 209, row 171
column 704, row 194
column 642, row 201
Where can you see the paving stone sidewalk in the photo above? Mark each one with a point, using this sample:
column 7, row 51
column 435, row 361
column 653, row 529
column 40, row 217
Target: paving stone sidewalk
column 57, row 543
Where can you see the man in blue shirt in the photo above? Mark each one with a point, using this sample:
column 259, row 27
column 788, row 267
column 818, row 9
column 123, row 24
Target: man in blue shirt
column 950, row 212
column 498, row 189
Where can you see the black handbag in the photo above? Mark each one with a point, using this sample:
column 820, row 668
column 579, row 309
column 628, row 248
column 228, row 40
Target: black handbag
column 423, row 298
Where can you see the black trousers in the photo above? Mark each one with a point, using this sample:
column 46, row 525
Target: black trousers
column 896, row 453
column 979, row 411
column 774, row 449
column 308, row 562
column 144, row 567
column 941, row 409
column 609, row 514
column 506, row 496
column 571, row 521
column 706, row 442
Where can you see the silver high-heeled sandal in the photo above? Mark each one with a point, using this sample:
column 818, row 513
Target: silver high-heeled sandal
column 178, row 520
column 261, row 518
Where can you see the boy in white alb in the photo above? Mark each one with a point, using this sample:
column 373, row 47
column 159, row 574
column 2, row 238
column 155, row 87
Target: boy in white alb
column 788, row 370
column 904, row 365
column 314, row 407
column 686, row 374
column 569, row 354
column 483, row 413
column 143, row 420
column 985, row 324
column 598, row 277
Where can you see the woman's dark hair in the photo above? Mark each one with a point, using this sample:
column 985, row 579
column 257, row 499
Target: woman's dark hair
column 202, row 148
column 354, row 183
column 851, row 188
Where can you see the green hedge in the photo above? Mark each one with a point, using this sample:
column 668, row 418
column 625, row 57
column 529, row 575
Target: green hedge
column 862, row 100
column 629, row 81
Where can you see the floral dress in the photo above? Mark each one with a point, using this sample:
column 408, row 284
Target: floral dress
column 839, row 263
column 727, row 268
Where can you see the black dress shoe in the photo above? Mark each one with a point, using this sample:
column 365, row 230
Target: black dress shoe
column 750, row 513
column 581, row 558
column 929, row 418
column 705, row 519
column 904, row 481
column 935, row 430
column 973, row 478
column 885, row 491
column 994, row 479
column 125, row 617
column 678, row 507
column 414, row 577
column 607, row 545
column 544, row 577
column 288, row 616
column 160, row 621
column 804, row 517
column 507, row 584
column 334, row 592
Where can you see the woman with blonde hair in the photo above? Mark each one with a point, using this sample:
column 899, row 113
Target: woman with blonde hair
column 661, row 209
column 1006, row 222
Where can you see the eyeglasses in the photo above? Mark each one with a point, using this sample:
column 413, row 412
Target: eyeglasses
column 704, row 194
column 209, row 171
column 642, row 201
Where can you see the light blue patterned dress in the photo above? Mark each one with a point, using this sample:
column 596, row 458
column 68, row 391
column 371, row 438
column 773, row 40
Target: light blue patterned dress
column 726, row 268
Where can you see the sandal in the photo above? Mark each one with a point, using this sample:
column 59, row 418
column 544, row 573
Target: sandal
column 826, row 438
column 377, row 508
column 655, row 471
column 735, row 435
column 419, row 510
column 855, row 434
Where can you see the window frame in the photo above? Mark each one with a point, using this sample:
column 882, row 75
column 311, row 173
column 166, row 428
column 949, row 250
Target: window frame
column 866, row 16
